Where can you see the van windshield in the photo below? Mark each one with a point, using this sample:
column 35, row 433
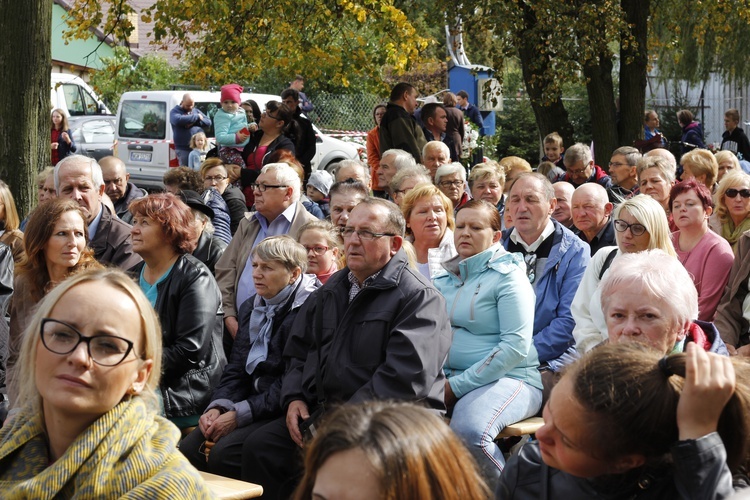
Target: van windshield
column 143, row 120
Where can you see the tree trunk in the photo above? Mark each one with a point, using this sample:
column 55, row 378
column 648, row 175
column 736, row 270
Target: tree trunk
column 601, row 93
column 25, row 100
column 550, row 114
column 633, row 71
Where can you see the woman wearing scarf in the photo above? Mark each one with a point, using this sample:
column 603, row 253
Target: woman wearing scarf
column 88, row 424
column 249, row 394
column 732, row 215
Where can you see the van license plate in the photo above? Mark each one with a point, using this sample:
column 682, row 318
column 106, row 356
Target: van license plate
column 140, row 156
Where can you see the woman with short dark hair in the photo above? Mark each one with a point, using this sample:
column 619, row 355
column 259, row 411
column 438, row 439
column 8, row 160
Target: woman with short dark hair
column 707, row 256
column 185, row 295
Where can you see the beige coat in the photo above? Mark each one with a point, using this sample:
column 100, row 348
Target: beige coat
column 230, row 266
column 732, row 327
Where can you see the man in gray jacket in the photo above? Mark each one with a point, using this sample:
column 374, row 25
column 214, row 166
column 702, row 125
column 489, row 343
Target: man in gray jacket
column 376, row 330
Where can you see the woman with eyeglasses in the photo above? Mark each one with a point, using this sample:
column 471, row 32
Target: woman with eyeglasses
column 249, row 393
column 451, row 179
column 272, row 134
column 640, row 224
column 56, row 246
column 186, row 297
column 732, row 216
column 215, row 176
column 707, row 256
column 88, row 424
column 321, row 242
column 429, row 227
column 492, row 367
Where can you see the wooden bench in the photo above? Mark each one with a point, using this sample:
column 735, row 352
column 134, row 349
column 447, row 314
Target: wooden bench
column 528, row 426
column 227, row 488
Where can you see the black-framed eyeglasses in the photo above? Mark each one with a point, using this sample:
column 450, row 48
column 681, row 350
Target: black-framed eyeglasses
column 447, row 184
column 262, row 187
column 732, row 193
column 363, row 234
column 61, row 338
column 636, row 229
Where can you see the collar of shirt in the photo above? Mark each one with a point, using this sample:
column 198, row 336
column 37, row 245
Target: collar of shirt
column 355, row 285
column 288, row 214
column 548, row 230
column 94, row 225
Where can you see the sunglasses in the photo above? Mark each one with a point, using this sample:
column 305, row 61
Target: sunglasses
column 732, row 193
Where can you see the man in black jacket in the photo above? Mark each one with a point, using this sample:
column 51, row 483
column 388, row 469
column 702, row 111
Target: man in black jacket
column 398, row 128
column 380, row 331
column 304, row 135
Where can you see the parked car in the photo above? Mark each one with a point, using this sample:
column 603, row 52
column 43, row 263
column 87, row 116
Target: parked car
column 145, row 141
column 94, row 135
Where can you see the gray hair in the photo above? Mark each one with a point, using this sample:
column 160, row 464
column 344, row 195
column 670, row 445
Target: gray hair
column 448, row 169
column 547, row 189
column 436, row 145
column 658, row 162
column 484, row 170
column 287, row 176
column 631, row 154
column 401, row 159
column 282, row 249
column 352, row 163
column 395, row 221
column 661, row 275
column 417, row 172
column 577, row 152
column 205, row 219
column 666, row 155
column 97, row 178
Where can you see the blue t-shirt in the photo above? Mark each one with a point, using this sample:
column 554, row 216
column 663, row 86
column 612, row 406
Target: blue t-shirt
column 151, row 290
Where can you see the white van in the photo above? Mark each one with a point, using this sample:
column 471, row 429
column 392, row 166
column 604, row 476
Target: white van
column 146, row 144
column 74, row 96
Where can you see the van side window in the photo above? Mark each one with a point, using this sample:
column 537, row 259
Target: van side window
column 143, row 120
column 73, row 99
column 92, row 107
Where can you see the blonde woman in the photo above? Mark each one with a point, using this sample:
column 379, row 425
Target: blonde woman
column 732, row 215
column 727, row 162
column 10, row 234
column 701, row 165
column 87, row 420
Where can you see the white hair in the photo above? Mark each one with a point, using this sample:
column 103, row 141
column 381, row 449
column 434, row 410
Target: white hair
column 448, row 169
column 401, row 159
column 436, row 145
column 287, row 176
column 97, row 179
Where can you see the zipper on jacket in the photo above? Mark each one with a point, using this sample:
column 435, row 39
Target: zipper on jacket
column 473, row 298
column 487, row 361
column 455, row 301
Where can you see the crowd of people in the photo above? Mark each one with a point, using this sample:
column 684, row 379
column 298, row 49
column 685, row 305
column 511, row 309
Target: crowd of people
column 370, row 332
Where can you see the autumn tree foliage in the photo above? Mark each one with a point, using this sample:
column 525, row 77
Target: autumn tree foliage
column 229, row 40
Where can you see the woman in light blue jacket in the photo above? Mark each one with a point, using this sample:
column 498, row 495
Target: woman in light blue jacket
column 493, row 380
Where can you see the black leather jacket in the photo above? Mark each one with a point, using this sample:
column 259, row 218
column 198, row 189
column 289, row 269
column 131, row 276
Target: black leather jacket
column 209, row 250
column 189, row 309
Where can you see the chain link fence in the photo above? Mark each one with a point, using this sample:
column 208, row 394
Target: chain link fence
column 337, row 113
